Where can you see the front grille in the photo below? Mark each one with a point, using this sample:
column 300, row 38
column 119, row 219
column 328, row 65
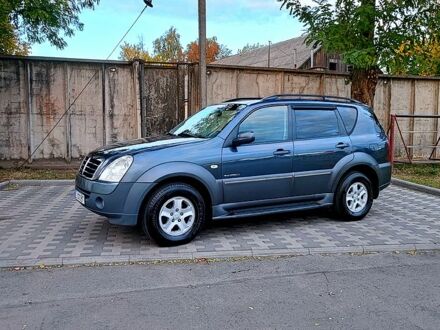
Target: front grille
column 89, row 166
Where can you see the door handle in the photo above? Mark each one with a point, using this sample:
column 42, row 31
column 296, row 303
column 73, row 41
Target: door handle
column 342, row 145
column 281, row 152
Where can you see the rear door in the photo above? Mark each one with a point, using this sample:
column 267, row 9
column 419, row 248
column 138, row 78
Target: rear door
column 320, row 143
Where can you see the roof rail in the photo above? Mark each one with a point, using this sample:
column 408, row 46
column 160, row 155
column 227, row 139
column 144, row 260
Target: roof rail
column 243, row 99
column 310, row 97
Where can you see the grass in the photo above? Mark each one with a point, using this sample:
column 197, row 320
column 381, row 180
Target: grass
column 36, row 174
column 425, row 174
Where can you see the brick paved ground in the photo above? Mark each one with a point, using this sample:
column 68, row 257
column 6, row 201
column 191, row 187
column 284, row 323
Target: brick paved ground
column 45, row 224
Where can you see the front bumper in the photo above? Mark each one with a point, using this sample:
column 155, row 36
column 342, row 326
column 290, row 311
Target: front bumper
column 119, row 202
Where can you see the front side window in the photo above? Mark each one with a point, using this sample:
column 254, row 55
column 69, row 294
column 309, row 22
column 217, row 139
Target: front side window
column 316, row 124
column 268, row 124
column 208, row 122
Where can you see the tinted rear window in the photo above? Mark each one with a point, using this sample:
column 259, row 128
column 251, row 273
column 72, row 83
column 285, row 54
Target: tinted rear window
column 367, row 123
column 349, row 116
column 315, row 124
column 377, row 126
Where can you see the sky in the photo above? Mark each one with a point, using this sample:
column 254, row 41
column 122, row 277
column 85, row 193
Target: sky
column 234, row 22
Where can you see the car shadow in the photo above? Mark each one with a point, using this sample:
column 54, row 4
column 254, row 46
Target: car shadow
column 298, row 218
column 308, row 215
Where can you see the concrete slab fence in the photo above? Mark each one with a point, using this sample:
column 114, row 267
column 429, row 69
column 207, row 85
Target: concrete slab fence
column 127, row 100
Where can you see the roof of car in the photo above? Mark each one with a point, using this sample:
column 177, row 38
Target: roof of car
column 294, row 97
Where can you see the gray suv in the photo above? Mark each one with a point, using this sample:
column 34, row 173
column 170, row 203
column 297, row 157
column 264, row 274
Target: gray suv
column 241, row 158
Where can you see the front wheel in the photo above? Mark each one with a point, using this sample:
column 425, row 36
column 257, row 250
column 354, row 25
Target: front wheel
column 174, row 214
column 354, row 197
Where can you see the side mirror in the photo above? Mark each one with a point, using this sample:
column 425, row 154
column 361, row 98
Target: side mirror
column 243, row 138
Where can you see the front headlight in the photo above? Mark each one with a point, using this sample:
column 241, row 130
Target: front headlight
column 116, row 169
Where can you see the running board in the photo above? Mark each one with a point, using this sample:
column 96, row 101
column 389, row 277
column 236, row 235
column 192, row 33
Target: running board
column 265, row 210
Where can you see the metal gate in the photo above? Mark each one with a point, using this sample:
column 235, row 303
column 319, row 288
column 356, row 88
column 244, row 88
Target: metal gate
column 166, row 98
column 409, row 143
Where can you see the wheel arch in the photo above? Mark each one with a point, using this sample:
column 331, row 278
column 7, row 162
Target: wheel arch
column 191, row 174
column 365, row 169
column 193, row 182
column 190, row 180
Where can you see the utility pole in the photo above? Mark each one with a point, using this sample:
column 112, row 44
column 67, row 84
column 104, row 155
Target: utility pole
column 294, row 58
column 202, row 52
column 268, row 56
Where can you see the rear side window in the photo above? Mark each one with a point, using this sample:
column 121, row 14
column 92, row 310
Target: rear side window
column 269, row 124
column 349, row 116
column 316, row 124
column 377, row 126
column 367, row 123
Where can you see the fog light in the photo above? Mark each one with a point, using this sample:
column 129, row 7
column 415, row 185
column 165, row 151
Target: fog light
column 99, row 203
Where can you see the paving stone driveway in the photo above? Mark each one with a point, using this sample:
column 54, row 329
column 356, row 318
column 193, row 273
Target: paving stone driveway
column 44, row 223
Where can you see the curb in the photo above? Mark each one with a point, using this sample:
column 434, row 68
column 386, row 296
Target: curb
column 37, row 183
column 253, row 253
column 4, row 184
column 416, row 186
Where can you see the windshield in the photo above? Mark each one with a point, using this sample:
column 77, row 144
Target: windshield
column 208, row 122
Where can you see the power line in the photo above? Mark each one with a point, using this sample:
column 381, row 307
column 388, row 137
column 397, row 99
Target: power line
column 85, row 86
column 123, row 37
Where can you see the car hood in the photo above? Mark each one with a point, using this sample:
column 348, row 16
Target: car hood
column 144, row 144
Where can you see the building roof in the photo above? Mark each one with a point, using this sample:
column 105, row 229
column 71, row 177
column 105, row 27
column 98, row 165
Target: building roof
column 282, row 55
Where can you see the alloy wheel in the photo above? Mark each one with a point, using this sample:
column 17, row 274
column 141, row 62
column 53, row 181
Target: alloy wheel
column 176, row 216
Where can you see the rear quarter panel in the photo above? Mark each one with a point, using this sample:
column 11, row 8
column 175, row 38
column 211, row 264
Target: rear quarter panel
column 370, row 147
column 369, row 137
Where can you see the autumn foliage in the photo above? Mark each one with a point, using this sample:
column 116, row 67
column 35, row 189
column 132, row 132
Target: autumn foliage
column 212, row 50
column 417, row 59
column 167, row 48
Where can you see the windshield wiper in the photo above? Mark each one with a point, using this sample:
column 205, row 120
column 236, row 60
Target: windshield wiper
column 188, row 133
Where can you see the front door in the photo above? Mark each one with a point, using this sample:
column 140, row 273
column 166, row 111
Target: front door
column 320, row 143
column 261, row 170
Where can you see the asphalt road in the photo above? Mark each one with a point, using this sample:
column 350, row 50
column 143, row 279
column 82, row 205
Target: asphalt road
column 382, row 291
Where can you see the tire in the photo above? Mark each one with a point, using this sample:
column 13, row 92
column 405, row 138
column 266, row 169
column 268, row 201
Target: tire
column 350, row 203
column 165, row 225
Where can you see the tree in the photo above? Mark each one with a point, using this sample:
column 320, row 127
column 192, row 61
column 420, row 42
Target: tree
column 24, row 22
column 130, row 52
column 10, row 44
column 168, row 48
column 248, row 47
column 214, row 50
column 421, row 59
column 367, row 33
column 224, row 52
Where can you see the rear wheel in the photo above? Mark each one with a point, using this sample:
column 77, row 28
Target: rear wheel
column 174, row 214
column 354, row 197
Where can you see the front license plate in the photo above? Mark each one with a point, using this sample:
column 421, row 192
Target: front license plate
column 80, row 197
